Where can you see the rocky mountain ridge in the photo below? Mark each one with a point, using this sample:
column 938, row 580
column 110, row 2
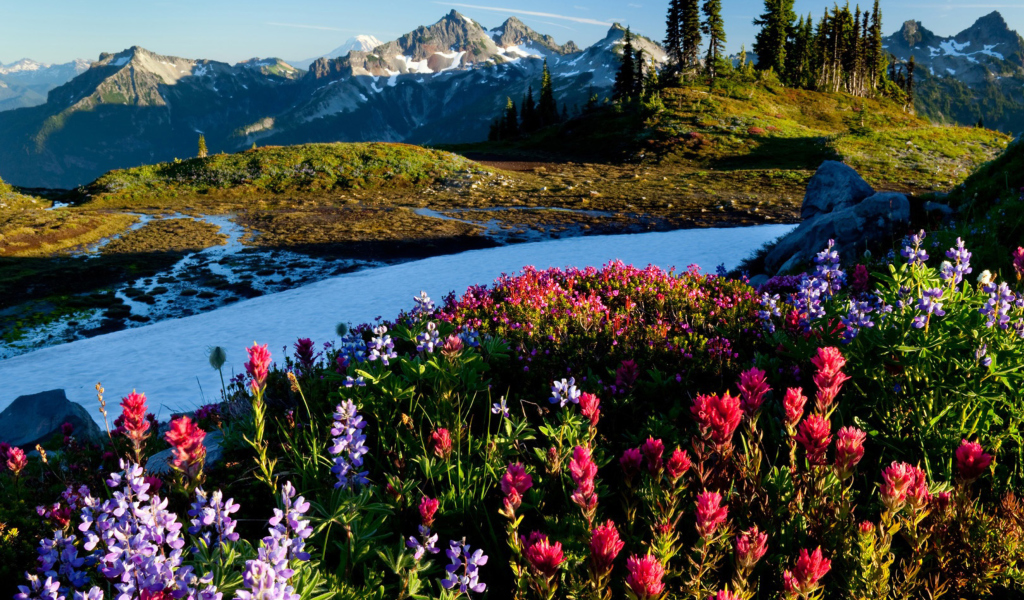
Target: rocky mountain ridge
column 438, row 84
column 26, row 82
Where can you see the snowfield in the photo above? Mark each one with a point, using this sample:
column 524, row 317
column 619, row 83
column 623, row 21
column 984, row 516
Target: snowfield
column 167, row 360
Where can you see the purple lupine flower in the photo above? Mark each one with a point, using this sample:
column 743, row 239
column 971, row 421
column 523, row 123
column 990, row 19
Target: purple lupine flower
column 463, row 572
column 828, row 270
column 916, row 254
column 980, row 356
column 564, row 391
column 961, row 264
column 48, row 589
column 349, row 446
column 769, row 309
column 423, row 308
column 808, row 298
column 426, row 543
column 929, row 305
column 470, row 337
column 381, row 347
column 211, row 518
column 858, row 317
column 357, row 382
column 998, row 305
column 428, row 340
column 501, row 408
column 352, row 347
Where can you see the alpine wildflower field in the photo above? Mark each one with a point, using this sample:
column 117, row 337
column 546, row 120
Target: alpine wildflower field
column 620, row 432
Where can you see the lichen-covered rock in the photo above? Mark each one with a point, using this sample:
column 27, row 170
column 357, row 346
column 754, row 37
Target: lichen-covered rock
column 33, row 419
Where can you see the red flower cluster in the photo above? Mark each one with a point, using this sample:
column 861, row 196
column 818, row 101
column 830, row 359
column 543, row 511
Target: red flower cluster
column 971, row 460
column 794, row 403
column 514, row 484
column 452, row 346
column 428, row 507
column 678, row 464
column 751, row 545
column 644, row 579
column 186, row 438
column 16, row 460
column 815, row 434
column 711, row 514
column 441, row 443
column 653, row 450
column 849, row 450
column 605, row 545
column 717, row 416
column 829, row 377
column 753, row 387
column 544, row 557
column 627, row 374
column 305, row 353
column 809, row 569
column 134, row 422
column 904, row 483
column 583, row 470
column 258, row 366
column 631, row 460
column 590, row 407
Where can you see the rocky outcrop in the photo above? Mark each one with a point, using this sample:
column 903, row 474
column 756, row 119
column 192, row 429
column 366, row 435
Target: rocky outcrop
column 839, row 206
column 33, row 419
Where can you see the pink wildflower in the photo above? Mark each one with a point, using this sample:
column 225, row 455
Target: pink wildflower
column 897, row 478
column 753, row 387
column 645, row 574
column 16, row 460
column 710, row 513
column 305, row 353
column 545, row 557
column 815, row 434
column 452, row 346
column 751, row 545
column 428, row 507
column 793, row 403
column 258, row 366
column 627, row 374
column 630, row 461
column 849, row 450
column 516, row 478
column 718, row 416
column 590, row 407
column 441, row 443
column 1018, row 262
column 809, row 569
column 605, row 545
column 678, row 464
column 133, row 419
column 186, row 438
column 653, row 450
column 971, row 460
column 829, row 377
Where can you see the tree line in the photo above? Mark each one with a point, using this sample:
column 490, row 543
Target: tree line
column 529, row 115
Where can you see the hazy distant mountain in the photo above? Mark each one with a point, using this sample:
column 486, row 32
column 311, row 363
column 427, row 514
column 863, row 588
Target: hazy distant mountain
column 442, row 83
column 26, row 82
column 978, row 74
column 364, row 43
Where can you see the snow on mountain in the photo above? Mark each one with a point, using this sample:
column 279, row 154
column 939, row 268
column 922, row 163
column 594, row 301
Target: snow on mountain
column 26, row 82
column 360, row 43
column 168, row 360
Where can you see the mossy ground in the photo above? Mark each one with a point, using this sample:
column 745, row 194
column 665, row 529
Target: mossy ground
column 167, row 235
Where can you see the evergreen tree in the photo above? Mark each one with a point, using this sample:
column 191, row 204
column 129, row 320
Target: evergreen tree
column 528, row 114
column 253, row 146
column 691, row 33
column 592, row 100
column 640, row 78
column 624, row 79
column 797, row 49
column 714, row 28
column 510, row 124
column 910, row 81
column 674, row 34
column 743, row 57
column 202, row 146
column 547, row 108
column 877, row 54
column 770, row 42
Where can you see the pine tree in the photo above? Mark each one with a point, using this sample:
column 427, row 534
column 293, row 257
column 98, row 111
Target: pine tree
column 691, row 33
column 674, row 34
column 640, row 77
column 547, row 108
column 253, row 146
column 910, row 81
column 770, row 42
column 202, row 146
column 592, row 100
column 714, row 28
column 510, row 124
column 743, row 57
column 796, row 51
column 624, row 83
column 877, row 55
column 528, row 114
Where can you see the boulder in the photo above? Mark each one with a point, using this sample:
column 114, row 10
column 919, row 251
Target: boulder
column 160, row 463
column 937, row 209
column 34, row 419
column 852, row 228
column 758, row 280
column 834, row 186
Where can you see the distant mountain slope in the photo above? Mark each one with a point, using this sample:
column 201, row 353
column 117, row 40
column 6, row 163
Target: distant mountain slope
column 978, row 74
column 26, row 82
column 364, row 43
column 442, row 83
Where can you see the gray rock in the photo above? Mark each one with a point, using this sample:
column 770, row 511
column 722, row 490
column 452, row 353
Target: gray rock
column 852, row 228
column 932, row 208
column 834, row 186
column 758, row 280
column 33, row 419
column 160, row 463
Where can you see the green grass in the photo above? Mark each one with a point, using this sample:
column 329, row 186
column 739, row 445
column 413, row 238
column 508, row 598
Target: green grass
column 308, row 168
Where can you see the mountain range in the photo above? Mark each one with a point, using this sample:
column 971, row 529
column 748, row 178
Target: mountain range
column 363, row 43
column 26, row 82
column 974, row 76
column 442, row 83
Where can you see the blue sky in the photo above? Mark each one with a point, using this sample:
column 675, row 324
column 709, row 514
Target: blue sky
column 233, row 30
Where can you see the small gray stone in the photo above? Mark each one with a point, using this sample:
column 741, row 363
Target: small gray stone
column 34, row 419
column 833, row 186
